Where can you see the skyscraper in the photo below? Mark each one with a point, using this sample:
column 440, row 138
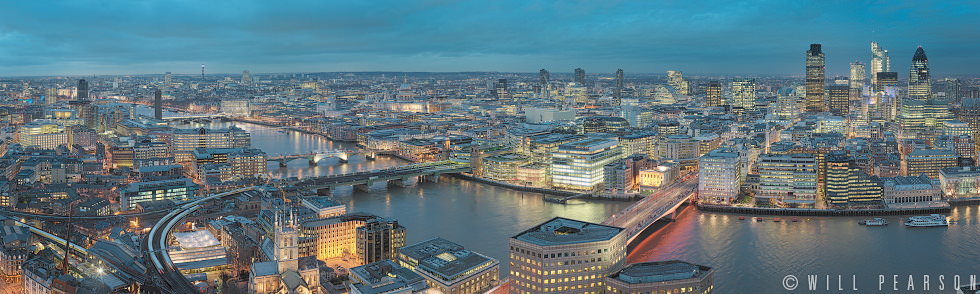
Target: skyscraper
column 246, row 78
column 879, row 62
column 618, row 93
column 920, row 82
column 815, row 79
column 884, row 103
column 858, row 79
column 500, row 89
column 82, row 90
column 714, row 94
column 545, row 77
column 838, row 99
column 158, row 104
column 952, row 89
column 167, row 80
column 743, row 93
column 580, row 76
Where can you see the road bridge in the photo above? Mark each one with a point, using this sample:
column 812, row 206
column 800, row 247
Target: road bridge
column 663, row 203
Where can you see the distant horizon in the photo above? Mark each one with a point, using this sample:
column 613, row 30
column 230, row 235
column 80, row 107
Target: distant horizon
column 85, row 38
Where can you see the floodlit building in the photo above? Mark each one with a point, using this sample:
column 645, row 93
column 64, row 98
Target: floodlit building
column 719, row 174
column 44, row 134
column 787, row 180
column 579, row 165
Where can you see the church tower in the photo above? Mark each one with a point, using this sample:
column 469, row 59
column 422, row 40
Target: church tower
column 287, row 245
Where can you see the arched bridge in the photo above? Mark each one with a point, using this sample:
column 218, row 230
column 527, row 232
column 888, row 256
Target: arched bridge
column 314, row 157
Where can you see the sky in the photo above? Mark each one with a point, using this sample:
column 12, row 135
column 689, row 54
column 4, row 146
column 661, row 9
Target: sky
column 83, row 37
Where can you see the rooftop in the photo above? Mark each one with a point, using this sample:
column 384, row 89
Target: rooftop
column 561, row 231
column 661, row 271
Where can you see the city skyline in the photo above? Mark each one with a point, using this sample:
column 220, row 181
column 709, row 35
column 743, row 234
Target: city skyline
column 157, row 37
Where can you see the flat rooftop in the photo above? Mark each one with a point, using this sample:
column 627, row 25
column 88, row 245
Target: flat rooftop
column 561, row 231
column 445, row 259
column 660, row 271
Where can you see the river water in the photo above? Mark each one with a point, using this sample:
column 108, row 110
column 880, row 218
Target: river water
column 747, row 256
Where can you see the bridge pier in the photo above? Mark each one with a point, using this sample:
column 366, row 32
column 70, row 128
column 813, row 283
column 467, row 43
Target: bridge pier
column 323, row 191
column 433, row 178
column 396, row 183
column 362, row 188
column 371, row 156
column 312, row 162
column 282, row 164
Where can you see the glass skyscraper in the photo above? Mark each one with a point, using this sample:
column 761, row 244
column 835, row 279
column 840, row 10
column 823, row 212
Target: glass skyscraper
column 815, row 79
column 920, row 87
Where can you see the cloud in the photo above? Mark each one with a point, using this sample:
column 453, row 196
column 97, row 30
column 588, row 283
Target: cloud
column 105, row 37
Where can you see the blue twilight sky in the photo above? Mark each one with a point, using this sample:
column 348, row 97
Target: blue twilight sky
column 82, row 37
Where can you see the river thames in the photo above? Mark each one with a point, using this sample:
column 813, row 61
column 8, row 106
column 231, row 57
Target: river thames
column 748, row 256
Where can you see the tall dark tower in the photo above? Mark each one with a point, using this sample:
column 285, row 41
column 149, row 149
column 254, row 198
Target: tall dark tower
column 619, row 86
column 158, row 104
column 815, row 80
column 580, row 76
column 545, row 77
column 82, row 90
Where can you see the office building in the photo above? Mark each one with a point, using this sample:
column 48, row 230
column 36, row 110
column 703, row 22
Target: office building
column 714, row 94
column 960, row 183
column 158, row 104
column 450, row 268
column 787, row 107
column 676, row 80
column 910, row 189
column 928, row 161
column 141, row 192
column 579, row 76
column 952, row 90
column 246, row 78
column 857, row 81
column 838, row 97
column 385, row 277
column 81, row 93
column 500, row 89
column 879, row 62
column 743, row 93
column 662, row 277
column 579, row 165
column 920, row 81
column 167, row 80
column 618, row 92
column 788, row 180
column 236, row 107
column 368, row 237
column 846, row 184
column 229, row 164
column 720, row 173
column 379, row 239
column 604, row 124
column 815, row 100
column 184, row 141
column 44, row 134
column 565, row 255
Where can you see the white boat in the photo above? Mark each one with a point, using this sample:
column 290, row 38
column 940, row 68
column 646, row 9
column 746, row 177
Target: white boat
column 934, row 220
column 876, row 222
